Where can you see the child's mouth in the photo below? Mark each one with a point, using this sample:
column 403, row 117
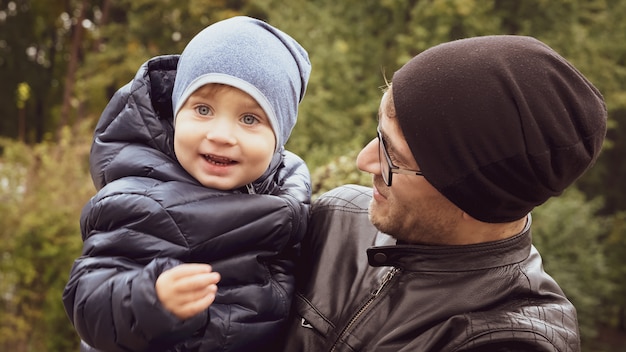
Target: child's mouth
column 218, row 160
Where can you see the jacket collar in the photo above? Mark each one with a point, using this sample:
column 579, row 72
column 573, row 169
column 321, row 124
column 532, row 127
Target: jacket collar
column 454, row 258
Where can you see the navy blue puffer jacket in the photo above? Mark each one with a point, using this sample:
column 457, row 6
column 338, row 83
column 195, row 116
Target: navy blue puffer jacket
column 149, row 215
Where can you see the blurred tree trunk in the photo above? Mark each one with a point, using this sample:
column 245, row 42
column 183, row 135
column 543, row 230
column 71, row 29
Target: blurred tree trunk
column 72, row 66
column 21, row 129
column 106, row 9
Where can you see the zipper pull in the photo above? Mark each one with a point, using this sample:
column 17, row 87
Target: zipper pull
column 388, row 276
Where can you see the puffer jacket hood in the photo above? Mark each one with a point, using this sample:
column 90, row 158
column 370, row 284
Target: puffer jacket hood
column 143, row 124
column 149, row 215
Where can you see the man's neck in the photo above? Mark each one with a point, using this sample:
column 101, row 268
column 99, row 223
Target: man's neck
column 472, row 231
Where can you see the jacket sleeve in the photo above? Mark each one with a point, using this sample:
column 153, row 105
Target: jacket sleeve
column 295, row 188
column 110, row 296
column 513, row 346
column 295, row 185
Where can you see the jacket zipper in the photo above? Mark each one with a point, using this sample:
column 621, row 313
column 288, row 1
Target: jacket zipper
column 386, row 279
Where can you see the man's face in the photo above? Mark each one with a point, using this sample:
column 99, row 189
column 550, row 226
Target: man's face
column 411, row 209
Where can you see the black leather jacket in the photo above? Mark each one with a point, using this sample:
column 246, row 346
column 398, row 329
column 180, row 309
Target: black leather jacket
column 359, row 291
column 149, row 215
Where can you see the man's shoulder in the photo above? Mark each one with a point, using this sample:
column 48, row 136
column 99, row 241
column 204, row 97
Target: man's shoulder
column 340, row 219
column 349, row 198
column 529, row 327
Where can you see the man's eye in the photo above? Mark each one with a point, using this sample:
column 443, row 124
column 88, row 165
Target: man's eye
column 393, row 159
column 203, row 110
column 249, row 119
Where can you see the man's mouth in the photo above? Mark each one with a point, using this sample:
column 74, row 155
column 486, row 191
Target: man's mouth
column 219, row 160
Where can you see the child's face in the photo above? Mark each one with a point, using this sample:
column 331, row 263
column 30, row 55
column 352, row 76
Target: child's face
column 223, row 138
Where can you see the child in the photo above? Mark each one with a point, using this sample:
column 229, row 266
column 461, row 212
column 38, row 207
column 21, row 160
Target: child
column 195, row 188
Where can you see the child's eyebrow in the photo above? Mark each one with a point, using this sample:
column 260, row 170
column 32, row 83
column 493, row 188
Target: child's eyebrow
column 251, row 105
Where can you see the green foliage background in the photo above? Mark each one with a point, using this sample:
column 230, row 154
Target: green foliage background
column 354, row 45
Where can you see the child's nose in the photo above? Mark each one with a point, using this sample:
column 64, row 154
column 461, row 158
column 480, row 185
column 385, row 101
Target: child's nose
column 222, row 130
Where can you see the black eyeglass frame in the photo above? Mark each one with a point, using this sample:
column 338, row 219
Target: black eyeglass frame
column 390, row 169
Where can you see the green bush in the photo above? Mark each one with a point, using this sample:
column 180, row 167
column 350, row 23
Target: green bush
column 43, row 189
column 569, row 235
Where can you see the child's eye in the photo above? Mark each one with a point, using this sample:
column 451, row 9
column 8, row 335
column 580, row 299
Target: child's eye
column 203, row 110
column 249, row 119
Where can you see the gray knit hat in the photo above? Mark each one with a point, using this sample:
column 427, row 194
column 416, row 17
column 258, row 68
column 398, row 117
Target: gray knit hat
column 498, row 124
column 253, row 56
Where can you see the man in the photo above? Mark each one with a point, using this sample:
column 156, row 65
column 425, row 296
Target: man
column 472, row 135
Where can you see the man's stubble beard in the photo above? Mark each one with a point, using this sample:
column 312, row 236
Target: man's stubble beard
column 415, row 224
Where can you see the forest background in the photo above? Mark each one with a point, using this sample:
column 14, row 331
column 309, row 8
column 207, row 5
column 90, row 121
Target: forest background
column 61, row 60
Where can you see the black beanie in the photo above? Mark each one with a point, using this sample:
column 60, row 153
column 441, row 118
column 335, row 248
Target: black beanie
column 498, row 124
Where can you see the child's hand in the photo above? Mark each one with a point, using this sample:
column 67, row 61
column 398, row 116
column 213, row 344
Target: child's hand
column 187, row 289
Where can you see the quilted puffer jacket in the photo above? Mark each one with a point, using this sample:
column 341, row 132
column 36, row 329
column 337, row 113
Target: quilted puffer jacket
column 360, row 291
column 149, row 215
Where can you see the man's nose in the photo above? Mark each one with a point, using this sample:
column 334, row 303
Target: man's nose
column 367, row 160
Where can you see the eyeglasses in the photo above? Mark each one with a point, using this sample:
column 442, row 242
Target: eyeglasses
column 388, row 169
